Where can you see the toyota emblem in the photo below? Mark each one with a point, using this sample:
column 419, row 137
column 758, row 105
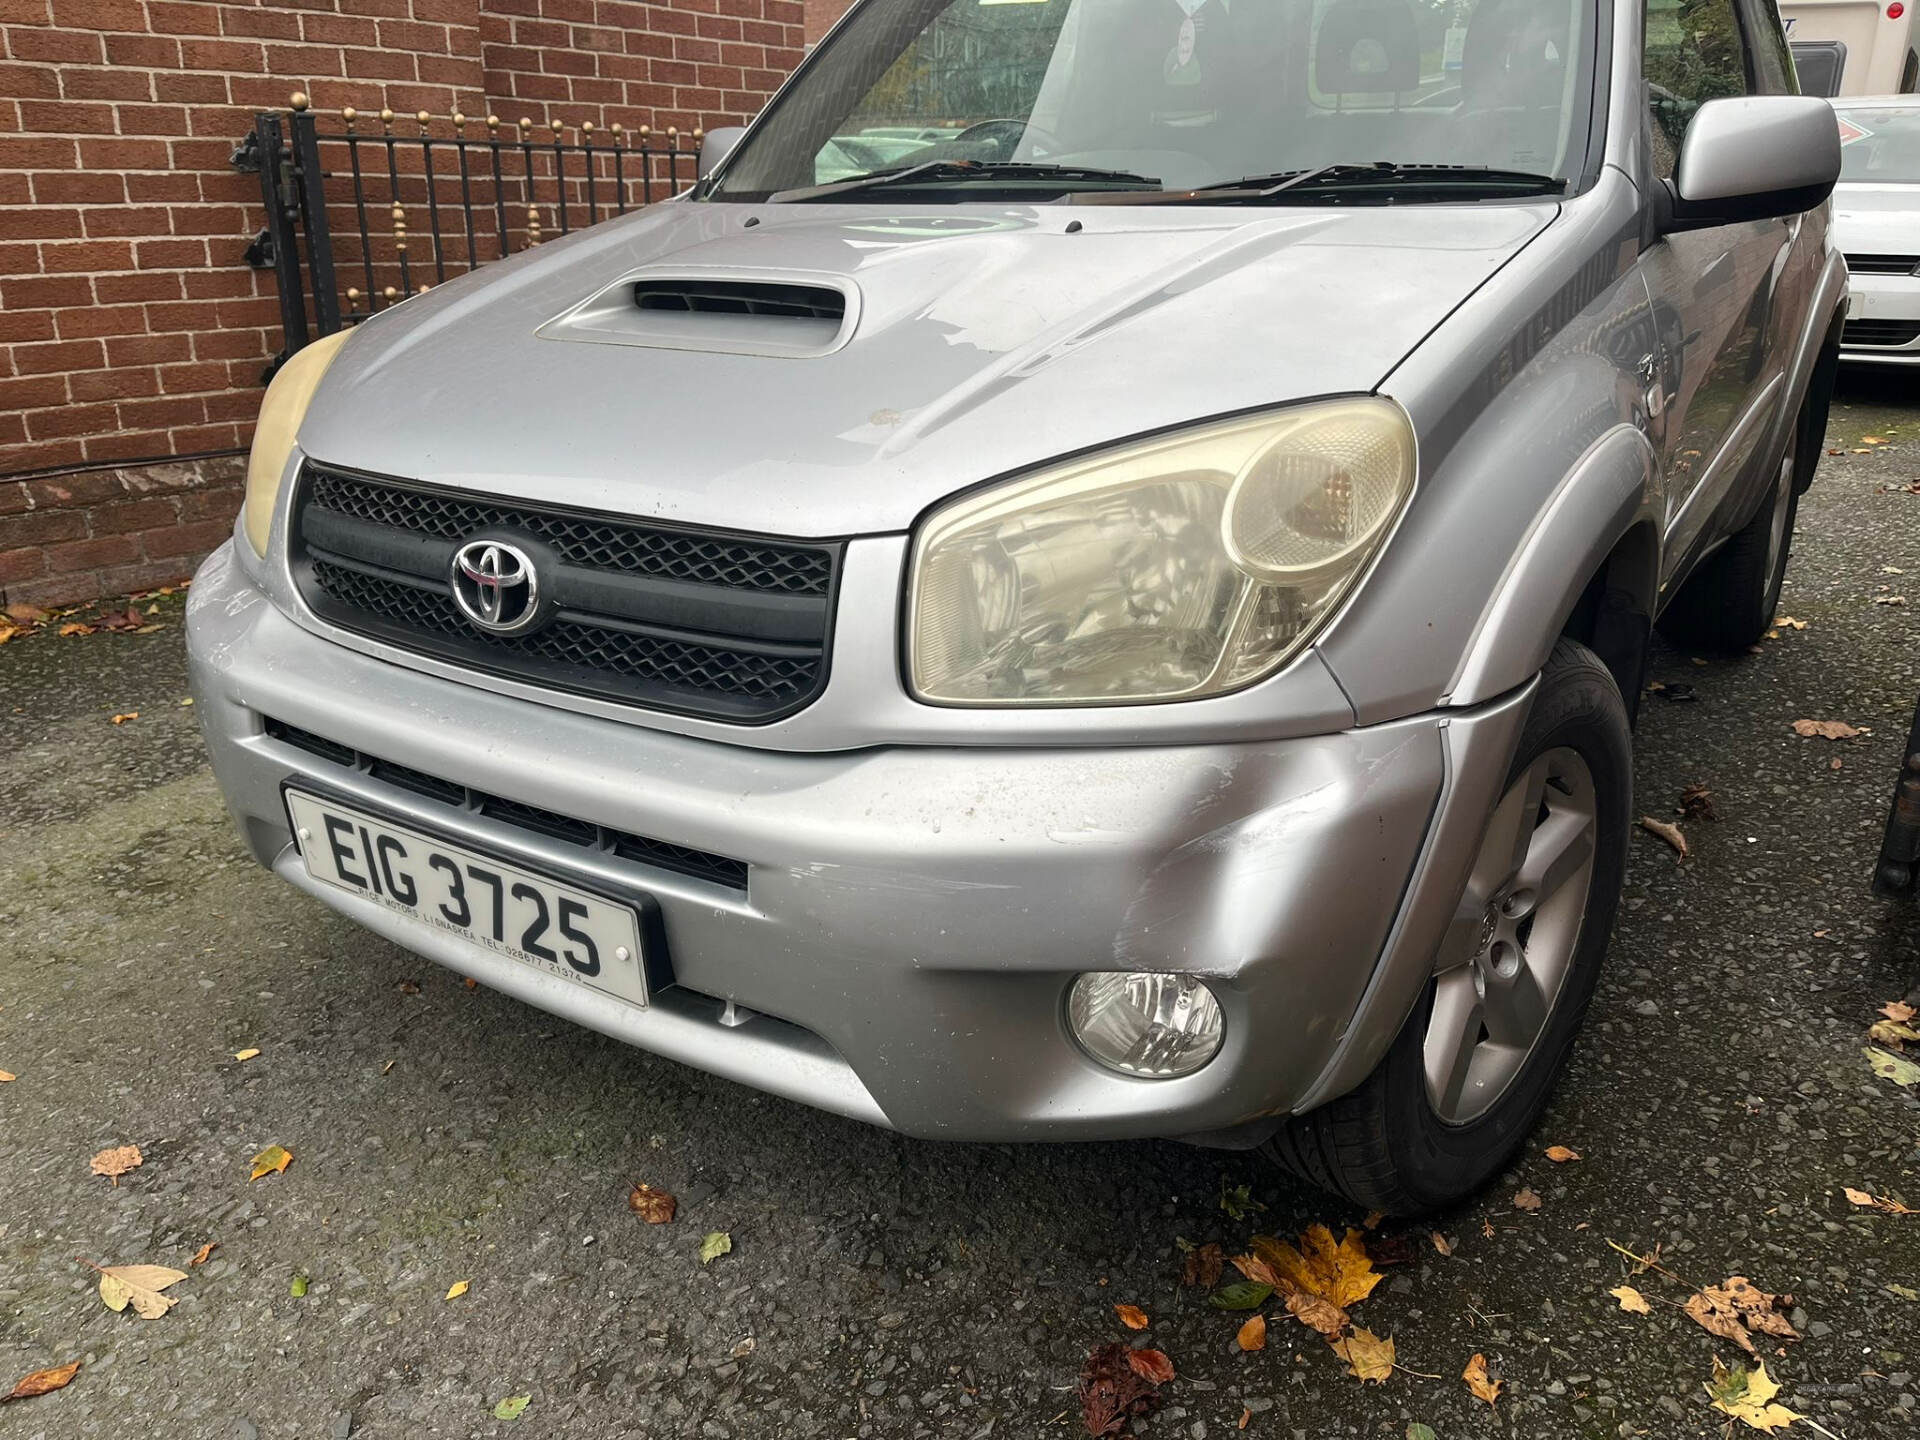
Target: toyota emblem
column 496, row 587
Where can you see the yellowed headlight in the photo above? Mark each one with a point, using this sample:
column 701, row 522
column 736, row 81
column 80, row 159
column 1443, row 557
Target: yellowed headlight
column 1179, row 567
column 281, row 412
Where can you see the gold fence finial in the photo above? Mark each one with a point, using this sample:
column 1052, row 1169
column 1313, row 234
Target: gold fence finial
column 298, row 100
column 386, row 118
column 493, row 121
column 423, row 117
column 349, row 115
column 390, row 294
column 459, row 121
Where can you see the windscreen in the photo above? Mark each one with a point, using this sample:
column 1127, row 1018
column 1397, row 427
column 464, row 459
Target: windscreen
column 1187, row 92
column 1880, row 146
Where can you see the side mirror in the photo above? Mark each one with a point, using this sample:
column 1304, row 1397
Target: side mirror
column 1754, row 157
column 717, row 144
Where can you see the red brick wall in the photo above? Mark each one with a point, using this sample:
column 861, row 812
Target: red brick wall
column 131, row 330
column 106, row 532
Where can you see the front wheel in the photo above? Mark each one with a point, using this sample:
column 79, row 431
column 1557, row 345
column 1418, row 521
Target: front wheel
column 1472, row 1068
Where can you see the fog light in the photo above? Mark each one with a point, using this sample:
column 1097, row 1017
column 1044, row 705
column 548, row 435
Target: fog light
column 1154, row 1026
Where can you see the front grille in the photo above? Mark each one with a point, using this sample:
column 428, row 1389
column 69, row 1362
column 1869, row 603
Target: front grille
column 725, row 626
column 663, row 854
column 1883, row 264
column 1880, row 332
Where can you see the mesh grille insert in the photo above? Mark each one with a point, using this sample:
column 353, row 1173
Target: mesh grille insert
column 659, row 617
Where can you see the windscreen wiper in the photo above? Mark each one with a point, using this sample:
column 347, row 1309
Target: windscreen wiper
column 1378, row 175
column 941, row 171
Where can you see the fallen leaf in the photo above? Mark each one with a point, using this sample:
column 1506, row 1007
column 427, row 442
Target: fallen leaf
column 1240, row 1295
column 1889, row 599
column 123, row 719
column 74, row 627
column 25, row 615
column 1368, row 1357
column 1896, row 1068
column 1486, row 1229
column 297, row 1287
column 1525, row 1199
column 1318, row 1313
column 1483, row 1385
column 270, row 1161
column 1748, row 1397
column 1418, row 1431
column 138, row 1286
column 1257, row 1270
column 456, row 1290
column 1631, row 1300
column 246, row 1054
column 471, row 983
column 7, row 1077
column 717, row 1243
column 1875, row 1202
column 1131, row 1316
column 512, row 1408
column 1373, row 1219
column 116, row 1162
column 1202, row 1266
column 1239, row 1202
column 1112, row 1392
column 1735, row 1308
column 1893, row 1034
column 1560, row 1154
column 1151, row 1365
column 1873, row 440
column 1696, row 803
column 1827, row 729
column 1342, row 1273
column 1245, row 1416
column 1667, row 832
column 204, row 1253
column 1441, row 1243
column 1898, row 1011
column 408, row 987
column 1253, row 1334
column 743, row 1348
column 656, row 1207
column 43, row 1382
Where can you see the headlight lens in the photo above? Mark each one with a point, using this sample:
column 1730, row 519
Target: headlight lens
column 1177, row 568
column 1139, row 1023
column 281, row 412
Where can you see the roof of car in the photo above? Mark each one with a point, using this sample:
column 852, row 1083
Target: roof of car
column 1875, row 102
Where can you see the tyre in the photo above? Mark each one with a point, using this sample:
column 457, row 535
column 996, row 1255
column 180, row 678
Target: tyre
column 1728, row 602
column 1465, row 1081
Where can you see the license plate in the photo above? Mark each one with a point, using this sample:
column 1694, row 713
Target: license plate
column 570, row 933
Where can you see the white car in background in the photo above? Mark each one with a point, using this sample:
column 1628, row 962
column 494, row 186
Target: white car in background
column 1877, row 225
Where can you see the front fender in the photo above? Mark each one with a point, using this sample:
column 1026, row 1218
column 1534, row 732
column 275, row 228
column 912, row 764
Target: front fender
column 1609, row 490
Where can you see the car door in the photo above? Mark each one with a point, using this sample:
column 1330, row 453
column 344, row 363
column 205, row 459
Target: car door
column 1719, row 372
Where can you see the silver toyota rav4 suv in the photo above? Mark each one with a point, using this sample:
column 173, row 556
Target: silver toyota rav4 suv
column 1122, row 619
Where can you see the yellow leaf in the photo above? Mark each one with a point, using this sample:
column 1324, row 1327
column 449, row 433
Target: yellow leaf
column 139, row 1286
column 204, row 1253
column 270, row 1161
column 1253, row 1334
column 1368, row 1357
column 123, row 719
column 1442, row 1244
column 1341, row 1274
column 43, row 1382
column 1736, row 1307
column 7, row 1075
column 1131, row 1316
column 1317, row 1313
column 1483, row 1385
column 456, row 1290
column 1630, row 1299
column 1749, row 1397
column 247, row 1054
column 1560, row 1154
column 1896, row 1068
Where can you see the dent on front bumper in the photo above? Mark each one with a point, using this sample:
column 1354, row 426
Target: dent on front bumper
column 913, row 916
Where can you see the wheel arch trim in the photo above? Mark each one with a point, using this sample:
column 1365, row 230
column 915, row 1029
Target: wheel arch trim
column 1606, row 508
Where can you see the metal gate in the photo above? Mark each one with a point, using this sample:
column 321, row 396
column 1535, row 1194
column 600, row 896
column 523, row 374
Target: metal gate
column 363, row 211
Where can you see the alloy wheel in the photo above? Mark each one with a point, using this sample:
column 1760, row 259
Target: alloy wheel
column 1500, row 976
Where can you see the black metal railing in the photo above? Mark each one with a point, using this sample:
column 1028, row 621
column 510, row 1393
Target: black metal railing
column 359, row 218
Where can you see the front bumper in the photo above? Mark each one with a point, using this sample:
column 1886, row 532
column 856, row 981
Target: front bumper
column 1883, row 320
column 912, row 916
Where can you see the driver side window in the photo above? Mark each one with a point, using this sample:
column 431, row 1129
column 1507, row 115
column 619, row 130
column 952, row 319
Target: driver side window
column 1694, row 53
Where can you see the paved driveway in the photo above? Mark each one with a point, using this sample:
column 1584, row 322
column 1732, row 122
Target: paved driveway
column 886, row 1287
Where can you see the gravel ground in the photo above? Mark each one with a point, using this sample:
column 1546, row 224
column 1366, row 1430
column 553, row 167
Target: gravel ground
column 887, row 1287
